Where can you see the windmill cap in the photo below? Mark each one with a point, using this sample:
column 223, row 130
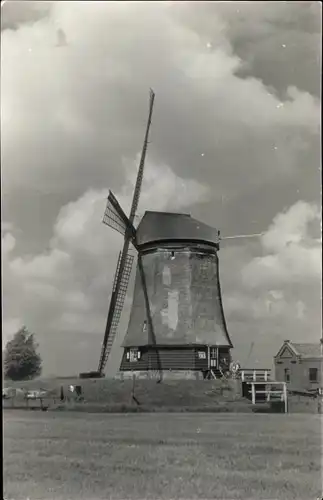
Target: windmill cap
column 166, row 226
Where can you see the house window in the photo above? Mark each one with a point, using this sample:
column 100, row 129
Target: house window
column 201, row 355
column 313, row 374
column 144, row 328
column 287, row 375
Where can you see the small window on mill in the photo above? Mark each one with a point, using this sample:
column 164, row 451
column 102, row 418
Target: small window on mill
column 134, row 355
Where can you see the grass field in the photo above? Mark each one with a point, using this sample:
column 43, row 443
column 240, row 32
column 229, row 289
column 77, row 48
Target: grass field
column 115, row 395
column 108, row 395
column 221, row 456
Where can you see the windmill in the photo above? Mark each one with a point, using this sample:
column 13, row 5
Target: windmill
column 116, row 218
column 177, row 321
column 182, row 296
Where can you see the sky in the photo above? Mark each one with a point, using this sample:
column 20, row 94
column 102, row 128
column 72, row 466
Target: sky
column 235, row 141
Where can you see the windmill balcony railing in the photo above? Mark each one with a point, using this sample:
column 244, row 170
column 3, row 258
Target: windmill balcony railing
column 255, row 375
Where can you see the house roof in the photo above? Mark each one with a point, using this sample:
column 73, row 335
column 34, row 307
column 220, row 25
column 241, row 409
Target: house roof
column 307, row 350
column 304, row 350
column 165, row 226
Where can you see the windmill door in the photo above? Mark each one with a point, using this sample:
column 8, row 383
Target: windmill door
column 213, row 357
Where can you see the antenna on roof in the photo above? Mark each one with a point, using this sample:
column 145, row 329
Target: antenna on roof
column 249, row 353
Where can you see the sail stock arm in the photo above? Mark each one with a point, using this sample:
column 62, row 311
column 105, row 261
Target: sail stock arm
column 115, row 218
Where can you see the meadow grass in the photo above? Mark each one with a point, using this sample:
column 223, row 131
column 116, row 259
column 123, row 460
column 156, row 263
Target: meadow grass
column 108, row 395
column 149, row 456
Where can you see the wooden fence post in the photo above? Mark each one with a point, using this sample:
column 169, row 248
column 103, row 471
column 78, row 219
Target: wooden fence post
column 285, row 397
column 133, row 387
column 253, row 392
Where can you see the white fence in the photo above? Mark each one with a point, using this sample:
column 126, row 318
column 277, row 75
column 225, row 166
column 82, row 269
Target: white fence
column 280, row 394
column 255, row 375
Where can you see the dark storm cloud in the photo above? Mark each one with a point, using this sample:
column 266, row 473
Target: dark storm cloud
column 15, row 13
column 258, row 31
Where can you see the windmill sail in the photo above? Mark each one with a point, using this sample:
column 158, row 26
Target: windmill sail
column 117, row 298
column 128, row 267
column 112, row 219
column 137, row 191
column 115, row 217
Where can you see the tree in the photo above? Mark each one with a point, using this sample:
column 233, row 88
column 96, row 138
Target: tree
column 21, row 360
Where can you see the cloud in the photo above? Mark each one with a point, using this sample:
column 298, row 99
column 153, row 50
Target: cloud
column 84, row 113
column 275, row 293
column 292, row 254
column 270, row 38
column 8, row 243
column 20, row 12
column 162, row 188
column 65, row 291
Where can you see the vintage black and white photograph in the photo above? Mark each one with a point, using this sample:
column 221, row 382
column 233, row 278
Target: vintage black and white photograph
column 161, row 250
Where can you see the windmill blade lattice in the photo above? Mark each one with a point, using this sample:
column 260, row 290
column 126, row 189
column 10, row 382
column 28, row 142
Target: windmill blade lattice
column 126, row 272
column 112, row 219
column 118, row 298
column 137, row 190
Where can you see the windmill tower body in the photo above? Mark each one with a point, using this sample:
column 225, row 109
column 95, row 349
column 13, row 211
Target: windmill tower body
column 177, row 321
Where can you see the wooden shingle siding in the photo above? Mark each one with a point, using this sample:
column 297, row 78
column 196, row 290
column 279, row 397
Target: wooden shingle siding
column 173, row 359
column 141, row 364
column 170, row 359
column 201, row 364
column 184, row 296
column 179, row 358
